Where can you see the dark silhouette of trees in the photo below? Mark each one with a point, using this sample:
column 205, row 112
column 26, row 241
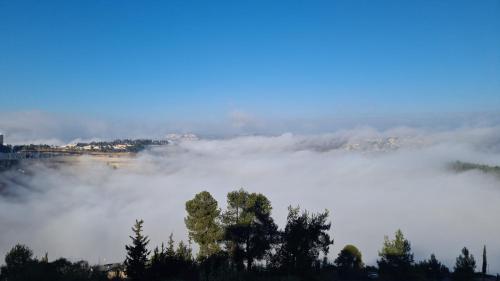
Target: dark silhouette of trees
column 184, row 252
column 78, row 271
column 170, row 246
column 21, row 266
column 157, row 263
column 203, row 224
column 17, row 263
column 432, row 269
column 304, row 238
column 464, row 266
column 249, row 229
column 137, row 254
column 254, row 249
column 396, row 258
column 236, row 222
column 349, row 262
column 169, row 263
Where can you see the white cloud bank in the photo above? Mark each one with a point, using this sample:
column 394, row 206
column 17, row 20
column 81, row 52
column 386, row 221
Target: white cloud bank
column 24, row 127
column 86, row 210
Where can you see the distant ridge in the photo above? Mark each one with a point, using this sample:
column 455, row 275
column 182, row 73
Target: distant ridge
column 460, row 166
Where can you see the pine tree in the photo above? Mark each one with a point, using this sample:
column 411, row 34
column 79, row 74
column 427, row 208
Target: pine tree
column 433, row 269
column 396, row 259
column 250, row 230
column 305, row 236
column 137, row 254
column 183, row 252
column 464, row 267
column 203, row 223
column 171, row 246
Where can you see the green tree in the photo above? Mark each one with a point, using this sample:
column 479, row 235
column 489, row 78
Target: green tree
column 236, row 205
column 250, row 230
column 464, row 266
column 137, row 254
column 396, row 258
column 349, row 262
column 304, row 238
column 203, row 224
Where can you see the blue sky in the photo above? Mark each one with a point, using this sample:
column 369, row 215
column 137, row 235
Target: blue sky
column 287, row 59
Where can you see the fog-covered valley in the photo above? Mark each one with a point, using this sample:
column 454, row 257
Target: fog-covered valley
column 372, row 182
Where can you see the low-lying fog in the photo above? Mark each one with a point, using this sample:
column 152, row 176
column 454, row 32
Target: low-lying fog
column 85, row 210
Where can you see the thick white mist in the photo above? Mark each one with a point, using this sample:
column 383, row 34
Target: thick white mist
column 85, row 210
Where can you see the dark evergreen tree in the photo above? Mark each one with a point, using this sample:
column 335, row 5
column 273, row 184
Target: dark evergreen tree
column 304, row 238
column 169, row 263
column 249, row 228
column 157, row 263
column 18, row 263
column 170, row 246
column 186, row 266
column 137, row 254
column 432, row 269
column 465, row 266
column 184, row 252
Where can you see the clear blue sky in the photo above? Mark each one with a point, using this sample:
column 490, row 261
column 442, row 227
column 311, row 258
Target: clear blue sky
column 173, row 59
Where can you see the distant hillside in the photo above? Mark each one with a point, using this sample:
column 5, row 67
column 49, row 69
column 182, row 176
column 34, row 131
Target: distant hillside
column 460, row 166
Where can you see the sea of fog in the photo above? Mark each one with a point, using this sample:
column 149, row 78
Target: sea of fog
column 372, row 182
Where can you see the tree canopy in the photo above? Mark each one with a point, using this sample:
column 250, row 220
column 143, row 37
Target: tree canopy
column 465, row 266
column 349, row 262
column 203, row 223
column 305, row 236
column 250, row 230
column 433, row 269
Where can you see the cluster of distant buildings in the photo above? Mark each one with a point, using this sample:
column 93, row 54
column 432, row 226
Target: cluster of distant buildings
column 36, row 151
column 126, row 145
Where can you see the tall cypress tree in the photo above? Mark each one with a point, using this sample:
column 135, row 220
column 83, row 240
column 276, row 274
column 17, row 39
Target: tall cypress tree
column 137, row 254
column 485, row 262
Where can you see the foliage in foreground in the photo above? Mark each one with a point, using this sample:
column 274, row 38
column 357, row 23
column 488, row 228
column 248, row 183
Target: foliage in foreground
column 244, row 243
